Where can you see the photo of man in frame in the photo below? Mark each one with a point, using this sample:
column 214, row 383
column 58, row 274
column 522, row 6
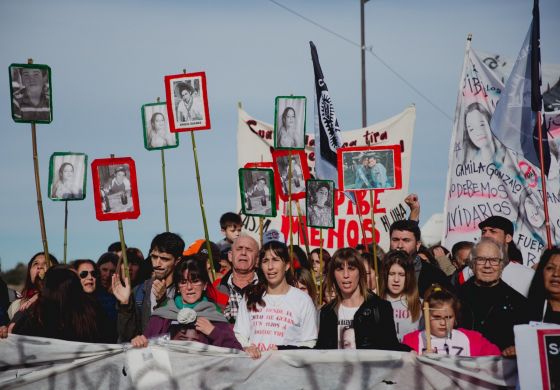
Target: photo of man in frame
column 368, row 169
column 290, row 122
column 257, row 192
column 31, row 94
column 116, row 193
column 67, row 176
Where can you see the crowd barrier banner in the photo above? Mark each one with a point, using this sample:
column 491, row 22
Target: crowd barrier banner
column 39, row 363
column 255, row 141
column 485, row 178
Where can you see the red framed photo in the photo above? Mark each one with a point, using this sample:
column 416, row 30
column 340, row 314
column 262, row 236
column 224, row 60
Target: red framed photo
column 187, row 102
column 369, row 168
column 549, row 354
column 266, row 165
column 115, row 189
column 300, row 173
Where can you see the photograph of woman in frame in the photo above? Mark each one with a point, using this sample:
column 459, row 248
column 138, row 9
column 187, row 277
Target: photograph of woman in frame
column 319, row 203
column 157, row 134
column 289, row 126
column 67, row 176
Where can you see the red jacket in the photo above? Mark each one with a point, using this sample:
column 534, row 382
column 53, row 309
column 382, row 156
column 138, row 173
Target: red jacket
column 478, row 344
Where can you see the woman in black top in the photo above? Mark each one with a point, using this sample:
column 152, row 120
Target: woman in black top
column 544, row 293
column 356, row 318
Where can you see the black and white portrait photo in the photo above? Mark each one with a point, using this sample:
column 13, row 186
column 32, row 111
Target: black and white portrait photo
column 289, row 124
column 257, row 192
column 297, row 174
column 30, row 87
column 187, row 102
column 67, row 176
column 319, row 203
column 157, row 134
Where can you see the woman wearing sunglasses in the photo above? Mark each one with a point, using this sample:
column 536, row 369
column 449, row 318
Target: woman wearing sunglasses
column 88, row 273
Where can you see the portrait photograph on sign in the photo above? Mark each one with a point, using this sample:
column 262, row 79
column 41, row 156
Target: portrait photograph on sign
column 257, row 192
column 67, row 176
column 31, row 93
column 300, row 173
column 265, row 165
column 187, row 102
column 157, row 134
column 319, row 202
column 369, row 168
column 115, row 189
column 289, row 123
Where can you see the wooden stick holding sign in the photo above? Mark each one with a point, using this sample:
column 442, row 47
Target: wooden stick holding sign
column 30, row 88
column 428, row 327
column 187, row 108
column 374, row 239
column 115, row 193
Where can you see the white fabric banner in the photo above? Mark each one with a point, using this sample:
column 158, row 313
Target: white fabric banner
column 255, row 143
column 486, row 179
column 38, row 363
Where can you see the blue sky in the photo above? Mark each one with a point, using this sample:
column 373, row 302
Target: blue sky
column 108, row 58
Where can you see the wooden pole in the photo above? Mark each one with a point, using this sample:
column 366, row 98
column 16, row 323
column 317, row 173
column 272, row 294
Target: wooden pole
column 39, row 197
column 360, row 218
column 164, row 190
column 302, row 228
column 65, row 229
column 428, row 330
column 321, row 266
column 123, row 251
column 261, row 219
column 290, row 206
column 373, row 240
column 543, row 182
column 201, row 200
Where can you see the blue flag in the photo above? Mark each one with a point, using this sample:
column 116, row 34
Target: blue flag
column 514, row 122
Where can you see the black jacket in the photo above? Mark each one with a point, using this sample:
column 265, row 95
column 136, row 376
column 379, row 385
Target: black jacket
column 492, row 311
column 374, row 327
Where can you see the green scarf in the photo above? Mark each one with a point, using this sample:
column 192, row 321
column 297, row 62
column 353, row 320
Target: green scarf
column 181, row 305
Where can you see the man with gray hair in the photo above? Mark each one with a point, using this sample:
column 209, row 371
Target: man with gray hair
column 489, row 305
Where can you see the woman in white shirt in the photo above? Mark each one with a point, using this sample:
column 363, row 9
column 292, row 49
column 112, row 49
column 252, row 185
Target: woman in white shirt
column 273, row 313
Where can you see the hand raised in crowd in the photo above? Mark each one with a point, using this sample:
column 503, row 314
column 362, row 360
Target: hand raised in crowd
column 25, row 305
column 438, row 251
column 203, row 325
column 413, row 202
column 509, row 352
column 253, row 351
column 122, row 293
column 159, row 288
column 3, row 332
column 139, row 341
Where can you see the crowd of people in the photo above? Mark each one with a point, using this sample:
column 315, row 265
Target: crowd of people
column 271, row 297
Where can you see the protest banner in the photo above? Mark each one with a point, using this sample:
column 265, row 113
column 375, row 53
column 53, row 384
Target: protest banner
column 485, row 178
column 255, row 143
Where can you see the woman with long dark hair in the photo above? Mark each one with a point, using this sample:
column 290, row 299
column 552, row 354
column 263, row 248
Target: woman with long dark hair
column 62, row 311
column 356, row 318
column 275, row 314
column 544, row 292
column 398, row 286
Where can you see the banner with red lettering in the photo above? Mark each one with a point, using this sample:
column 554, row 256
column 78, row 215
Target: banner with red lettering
column 255, row 143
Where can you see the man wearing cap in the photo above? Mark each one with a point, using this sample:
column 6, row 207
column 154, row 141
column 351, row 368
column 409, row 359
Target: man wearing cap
column 500, row 229
column 243, row 256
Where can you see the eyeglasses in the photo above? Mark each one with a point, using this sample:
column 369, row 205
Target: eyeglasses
column 492, row 260
column 84, row 274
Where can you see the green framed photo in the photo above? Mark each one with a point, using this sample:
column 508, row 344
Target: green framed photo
column 319, row 203
column 258, row 197
column 289, row 122
column 157, row 133
column 31, row 93
column 67, row 176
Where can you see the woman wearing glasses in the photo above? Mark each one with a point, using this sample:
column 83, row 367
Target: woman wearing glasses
column 489, row 305
column 193, row 315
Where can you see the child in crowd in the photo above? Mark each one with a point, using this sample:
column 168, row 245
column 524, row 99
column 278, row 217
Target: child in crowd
column 398, row 286
column 273, row 313
column 230, row 224
column 445, row 339
column 304, row 281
